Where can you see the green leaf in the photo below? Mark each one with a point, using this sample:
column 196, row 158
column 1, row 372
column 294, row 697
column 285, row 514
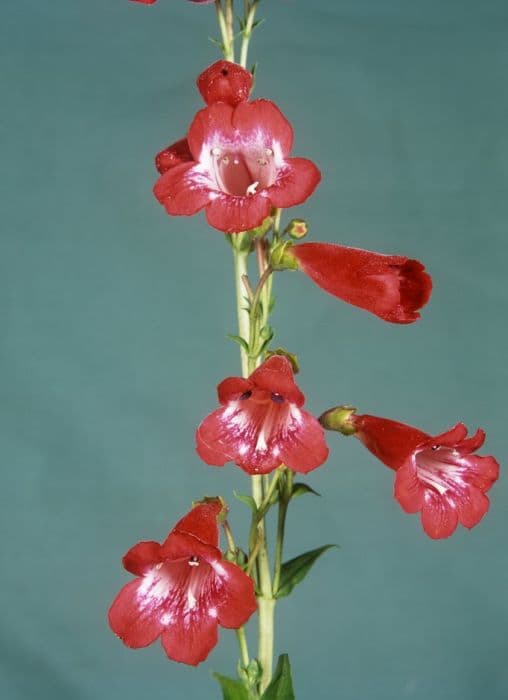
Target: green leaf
column 281, row 687
column 231, row 689
column 241, row 341
column 295, row 570
column 300, row 489
column 248, row 500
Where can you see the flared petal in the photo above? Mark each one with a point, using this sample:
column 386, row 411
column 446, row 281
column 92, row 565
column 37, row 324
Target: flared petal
column 392, row 287
column 472, row 507
column 295, row 182
column 232, row 388
column 201, row 522
column 276, row 376
column 211, row 127
column 224, row 81
column 175, row 154
column 263, row 117
column 189, row 641
column 302, row 445
column 137, row 613
column 238, row 602
column 439, row 519
column 408, row 490
column 232, row 213
column 390, row 441
column 141, row 557
column 184, row 189
column 180, row 546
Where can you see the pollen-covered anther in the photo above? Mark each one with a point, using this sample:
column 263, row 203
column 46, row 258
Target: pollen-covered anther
column 193, row 560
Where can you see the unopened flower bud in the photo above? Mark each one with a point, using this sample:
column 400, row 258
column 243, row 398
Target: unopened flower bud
column 285, row 353
column 281, row 257
column 297, row 229
column 339, row 419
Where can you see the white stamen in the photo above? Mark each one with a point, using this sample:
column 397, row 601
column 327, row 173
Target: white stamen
column 251, row 189
column 215, row 151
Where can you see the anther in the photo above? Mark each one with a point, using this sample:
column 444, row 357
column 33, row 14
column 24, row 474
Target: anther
column 215, row 151
column 194, row 560
column 251, row 189
column 277, row 398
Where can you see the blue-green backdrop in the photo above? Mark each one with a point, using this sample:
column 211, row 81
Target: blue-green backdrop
column 114, row 319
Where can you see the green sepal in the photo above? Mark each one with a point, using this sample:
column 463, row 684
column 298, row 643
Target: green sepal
column 295, row 570
column 300, row 489
column 231, row 689
column 281, row 687
column 248, row 500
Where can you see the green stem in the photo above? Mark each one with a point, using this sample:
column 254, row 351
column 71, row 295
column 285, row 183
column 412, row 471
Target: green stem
column 250, row 15
column 240, row 260
column 284, row 500
column 244, row 648
column 223, row 19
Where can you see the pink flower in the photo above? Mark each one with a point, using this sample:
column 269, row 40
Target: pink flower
column 261, row 424
column 240, row 167
column 392, row 287
column 183, row 589
column 439, row 476
column 224, row 81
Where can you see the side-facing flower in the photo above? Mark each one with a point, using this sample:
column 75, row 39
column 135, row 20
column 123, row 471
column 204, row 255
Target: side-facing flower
column 183, row 589
column 392, row 287
column 439, row 476
column 240, row 167
column 225, row 81
column 261, row 424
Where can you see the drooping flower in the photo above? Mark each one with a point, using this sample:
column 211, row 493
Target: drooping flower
column 240, row 167
column 392, row 287
column 261, row 424
column 183, row 589
column 225, row 81
column 439, row 476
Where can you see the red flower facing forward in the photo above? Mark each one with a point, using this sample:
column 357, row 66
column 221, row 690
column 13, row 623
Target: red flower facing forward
column 240, row 167
column 183, row 589
column 224, row 81
column 261, row 424
column 392, row 287
column 439, row 476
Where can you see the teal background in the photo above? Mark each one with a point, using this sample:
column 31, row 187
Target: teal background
column 113, row 335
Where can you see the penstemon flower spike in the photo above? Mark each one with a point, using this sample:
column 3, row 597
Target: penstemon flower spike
column 234, row 163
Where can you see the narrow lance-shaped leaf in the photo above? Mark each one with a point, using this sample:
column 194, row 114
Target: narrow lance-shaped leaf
column 281, row 687
column 295, row 570
column 231, row 689
column 248, row 500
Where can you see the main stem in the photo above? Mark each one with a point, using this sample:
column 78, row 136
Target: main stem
column 266, row 602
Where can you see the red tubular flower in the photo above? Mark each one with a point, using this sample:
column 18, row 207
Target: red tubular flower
column 392, row 287
column 183, row 589
column 439, row 476
column 240, row 169
column 261, row 424
column 224, row 81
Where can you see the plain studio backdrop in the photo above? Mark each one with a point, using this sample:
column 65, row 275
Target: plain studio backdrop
column 114, row 319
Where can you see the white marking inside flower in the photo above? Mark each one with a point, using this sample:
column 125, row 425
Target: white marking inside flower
column 191, row 599
column 212, row 612
column 153, row 587
column 166, row 618
column 251, row 189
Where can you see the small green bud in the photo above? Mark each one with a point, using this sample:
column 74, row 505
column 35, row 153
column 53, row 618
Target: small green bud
column 288, row 355
column 281, row 257
column 339, row 419
column 297, row 229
